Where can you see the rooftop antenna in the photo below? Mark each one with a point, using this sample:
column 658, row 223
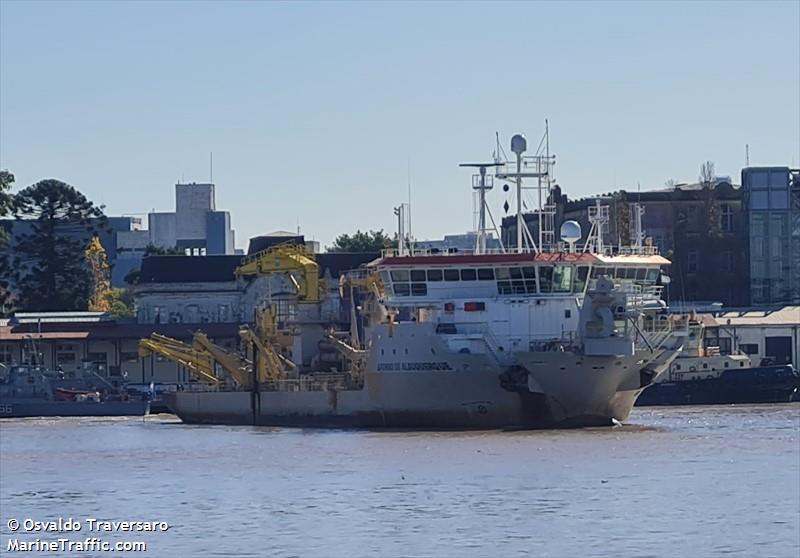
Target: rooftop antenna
column 747, row 154
column 408, row 174
column 482, row 184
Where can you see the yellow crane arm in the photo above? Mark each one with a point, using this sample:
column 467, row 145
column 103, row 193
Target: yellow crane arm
column 238, row 368
column 286, row 258
column 271, row 364
column 200, row 364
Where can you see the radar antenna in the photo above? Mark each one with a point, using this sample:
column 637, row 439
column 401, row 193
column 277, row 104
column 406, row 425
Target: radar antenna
column 482, row 184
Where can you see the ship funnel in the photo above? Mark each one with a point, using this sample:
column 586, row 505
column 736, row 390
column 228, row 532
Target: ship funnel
column 519, row 144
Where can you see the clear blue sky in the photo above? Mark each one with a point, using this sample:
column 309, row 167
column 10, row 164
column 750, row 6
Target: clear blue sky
column 313, row 111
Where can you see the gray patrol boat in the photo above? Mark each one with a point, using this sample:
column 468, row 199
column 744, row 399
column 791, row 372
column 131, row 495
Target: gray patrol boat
column 34, row 391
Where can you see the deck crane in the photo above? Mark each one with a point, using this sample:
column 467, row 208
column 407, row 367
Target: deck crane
column 289, row 258
column 199, row 363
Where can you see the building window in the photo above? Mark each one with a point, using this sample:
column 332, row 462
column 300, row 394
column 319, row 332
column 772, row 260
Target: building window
column 66, row 354
column 726, row 217
column 129, row 357
column 749, row 348
column 5, row 354
column 691, row 261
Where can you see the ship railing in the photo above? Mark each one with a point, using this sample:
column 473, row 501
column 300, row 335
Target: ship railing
column 556, row 248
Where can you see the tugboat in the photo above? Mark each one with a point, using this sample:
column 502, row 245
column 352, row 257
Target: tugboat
column 543, row 334
column 702, row 376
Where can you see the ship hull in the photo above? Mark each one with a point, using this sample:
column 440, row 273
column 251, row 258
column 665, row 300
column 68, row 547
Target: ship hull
column 775, row 384
column 32, row 407
column 415, row 379
column 441, row 400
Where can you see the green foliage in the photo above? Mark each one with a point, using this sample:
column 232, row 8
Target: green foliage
column 48, row 263
column 121, row 303
column 6, row 201
column 372, row 241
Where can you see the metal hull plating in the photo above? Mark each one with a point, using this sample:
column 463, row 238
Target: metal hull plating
column 36, row 407
column 423, row 385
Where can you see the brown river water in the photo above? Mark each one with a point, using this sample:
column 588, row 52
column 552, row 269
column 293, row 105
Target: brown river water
column 681, row 481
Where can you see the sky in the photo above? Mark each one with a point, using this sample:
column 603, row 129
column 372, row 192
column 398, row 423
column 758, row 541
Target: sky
column 319, row 114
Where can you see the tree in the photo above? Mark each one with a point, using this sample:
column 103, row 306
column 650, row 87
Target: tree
column 120, row 303
column 6, row 201
column 372, row 241
column 707, row 174
column 49, row 264
column 100, row 275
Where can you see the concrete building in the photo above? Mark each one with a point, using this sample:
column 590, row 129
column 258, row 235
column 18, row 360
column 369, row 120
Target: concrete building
column 195, row 226
column 769, row 335
column 70, row 340
column 772, row 211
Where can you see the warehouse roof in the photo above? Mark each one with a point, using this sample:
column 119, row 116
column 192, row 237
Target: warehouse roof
column 787, row 315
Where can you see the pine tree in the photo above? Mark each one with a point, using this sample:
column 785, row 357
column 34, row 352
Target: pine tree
column 49, row 266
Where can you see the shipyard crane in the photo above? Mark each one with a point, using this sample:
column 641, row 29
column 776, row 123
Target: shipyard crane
column 199, row 363
column 271, row 364
column 289, row 258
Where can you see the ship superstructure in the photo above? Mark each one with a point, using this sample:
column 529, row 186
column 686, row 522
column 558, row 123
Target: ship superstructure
column 547, row 332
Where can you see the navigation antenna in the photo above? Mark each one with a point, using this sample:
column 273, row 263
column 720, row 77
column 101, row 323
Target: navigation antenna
column 598, row 217
column 482, row 184
column 536, row 166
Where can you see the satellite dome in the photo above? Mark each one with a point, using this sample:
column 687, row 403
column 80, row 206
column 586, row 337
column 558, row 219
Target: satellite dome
column 519, row 144
column 570, row 231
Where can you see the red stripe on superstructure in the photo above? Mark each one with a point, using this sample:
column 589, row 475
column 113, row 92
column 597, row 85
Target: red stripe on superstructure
column 490, row 259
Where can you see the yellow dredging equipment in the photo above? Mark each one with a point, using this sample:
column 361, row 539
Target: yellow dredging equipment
column 290, row 258
column 263, row 346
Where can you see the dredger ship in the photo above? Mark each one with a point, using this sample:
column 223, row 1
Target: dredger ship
column 543, row 334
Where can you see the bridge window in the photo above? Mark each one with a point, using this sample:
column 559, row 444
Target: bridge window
column 504, row 287
column 469, row 275
column 529, row 272
column 545, row 278
column 641, row 273
column 515, row 272
column 501, row 273
column 399, row 275
column 451, row 275
column 580, row 278
column 652, row 275
column 419, row 289
column 620, row 274
column 417, row 274
column 434, row 275
column 518, row 286
column 562, row 279
column 630, row 273
column 402, row 289
column 486, row 274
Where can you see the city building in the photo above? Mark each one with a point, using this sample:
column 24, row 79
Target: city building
column 772, row 211
column 122, row 238
column 195, row 226
column 700, row 227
